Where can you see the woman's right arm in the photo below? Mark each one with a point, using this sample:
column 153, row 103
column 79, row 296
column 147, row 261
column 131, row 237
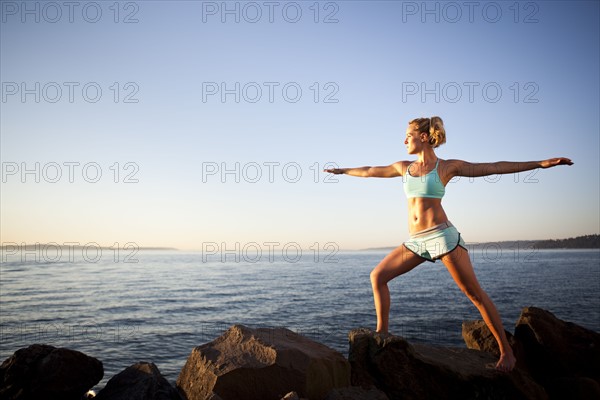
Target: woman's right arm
column 389, row 171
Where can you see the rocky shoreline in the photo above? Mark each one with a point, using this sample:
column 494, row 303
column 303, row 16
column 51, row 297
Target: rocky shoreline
column 556, row 360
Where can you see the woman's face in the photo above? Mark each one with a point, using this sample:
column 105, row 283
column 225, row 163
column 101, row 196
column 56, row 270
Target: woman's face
column 413, row 139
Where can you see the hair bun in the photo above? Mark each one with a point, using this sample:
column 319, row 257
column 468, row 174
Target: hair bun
column 434, row 127
column 437, row 133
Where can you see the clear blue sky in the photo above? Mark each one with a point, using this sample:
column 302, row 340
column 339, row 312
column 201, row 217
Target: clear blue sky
column 364, row 59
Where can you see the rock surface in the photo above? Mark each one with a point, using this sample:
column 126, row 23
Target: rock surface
column 140, row 381
column 405, row 371
column 46, row 372
column 555, row 360
column 559, row 354
column 262, row 364
column 477, row 336
column 291, row 396
column 356, row 393
column 554, row 347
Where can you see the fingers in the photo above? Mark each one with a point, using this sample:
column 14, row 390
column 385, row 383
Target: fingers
column 562, row 161
column 559, row 161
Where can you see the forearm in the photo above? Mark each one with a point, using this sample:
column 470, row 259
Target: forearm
column 473, row 170
column 509, row 167
column 389, row 171
column 362, row 172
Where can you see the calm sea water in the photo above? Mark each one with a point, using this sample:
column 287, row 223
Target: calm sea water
column 168, row 302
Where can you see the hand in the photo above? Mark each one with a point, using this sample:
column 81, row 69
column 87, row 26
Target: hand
column 553, row 162
column 335, row 171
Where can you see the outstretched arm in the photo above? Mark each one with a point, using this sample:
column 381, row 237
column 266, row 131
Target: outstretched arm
column 463, row 168
column 389, row 171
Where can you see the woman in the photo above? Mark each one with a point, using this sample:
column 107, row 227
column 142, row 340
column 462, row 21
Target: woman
column 432, row 236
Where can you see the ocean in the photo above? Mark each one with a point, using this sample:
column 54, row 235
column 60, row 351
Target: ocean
column 158, row 305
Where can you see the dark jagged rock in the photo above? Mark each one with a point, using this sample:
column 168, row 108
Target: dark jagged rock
column 140, row 381
column 579, row 388
column 356, row 393
column 477, row 336
column 557, row 352
column 555, row 360
column 405, row 371
column 46, row 372
column 292, row 396
column 262, row 364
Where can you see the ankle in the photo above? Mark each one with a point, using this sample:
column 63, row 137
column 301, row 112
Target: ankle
column 507, row 352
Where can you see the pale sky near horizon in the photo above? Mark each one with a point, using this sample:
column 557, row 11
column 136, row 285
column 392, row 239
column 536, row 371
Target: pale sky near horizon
column 172, row 124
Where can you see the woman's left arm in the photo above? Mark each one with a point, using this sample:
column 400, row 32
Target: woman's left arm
column 473, row 170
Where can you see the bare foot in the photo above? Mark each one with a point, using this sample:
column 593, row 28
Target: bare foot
column 506, row 363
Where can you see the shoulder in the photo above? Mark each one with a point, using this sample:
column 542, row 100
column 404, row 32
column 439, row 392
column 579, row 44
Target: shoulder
column 401, row 166
column 448, row 169
column 452, row 164
column 452, row 161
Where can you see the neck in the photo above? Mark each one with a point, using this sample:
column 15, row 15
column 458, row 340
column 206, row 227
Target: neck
column 426, row 156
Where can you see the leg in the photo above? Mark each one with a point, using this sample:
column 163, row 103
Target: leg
column 459, row 265
column 398, row 262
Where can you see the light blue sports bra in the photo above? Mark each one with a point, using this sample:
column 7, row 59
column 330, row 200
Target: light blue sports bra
column 429, row 185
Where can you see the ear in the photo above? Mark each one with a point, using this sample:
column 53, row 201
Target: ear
column 424, row 137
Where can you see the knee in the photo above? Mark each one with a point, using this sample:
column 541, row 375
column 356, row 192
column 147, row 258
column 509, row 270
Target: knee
column 475, row 295
column 376, row 278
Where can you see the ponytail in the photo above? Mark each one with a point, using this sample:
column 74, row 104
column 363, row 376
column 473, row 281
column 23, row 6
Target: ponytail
column 434, row 127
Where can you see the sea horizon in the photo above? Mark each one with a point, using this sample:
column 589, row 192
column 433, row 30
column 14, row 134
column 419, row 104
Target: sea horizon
column 20, row 246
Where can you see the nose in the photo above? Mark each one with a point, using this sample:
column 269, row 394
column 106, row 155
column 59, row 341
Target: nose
column 405, row 141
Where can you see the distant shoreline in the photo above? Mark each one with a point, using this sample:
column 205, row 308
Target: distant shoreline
column 579, row 242
column 489, row 246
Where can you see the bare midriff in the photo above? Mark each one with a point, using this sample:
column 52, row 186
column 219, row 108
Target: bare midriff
column 424, row 212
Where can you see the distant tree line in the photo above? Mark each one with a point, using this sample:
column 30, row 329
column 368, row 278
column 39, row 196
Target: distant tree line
column 579, row 242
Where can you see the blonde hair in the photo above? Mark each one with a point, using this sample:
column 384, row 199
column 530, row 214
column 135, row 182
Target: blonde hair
column 434, row 127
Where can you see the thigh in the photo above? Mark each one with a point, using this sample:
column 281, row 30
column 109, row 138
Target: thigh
column 459, row 265
column 398, row 262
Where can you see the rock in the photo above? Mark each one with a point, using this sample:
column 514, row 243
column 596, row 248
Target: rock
column 405, row 371
column 46, row 372
column 477, row 336
column 575, row 389
column 291, row 396
column 262, row 364
column 140, row 381
column 553, row 348
column 356, row 393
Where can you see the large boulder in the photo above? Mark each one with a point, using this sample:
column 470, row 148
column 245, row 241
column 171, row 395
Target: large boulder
column 262, row 364
column 559, row 353
column 356, row 393
column 46, row 372
column 140, row 381
column 477, row 336
column 405, row 371
column 292, row 396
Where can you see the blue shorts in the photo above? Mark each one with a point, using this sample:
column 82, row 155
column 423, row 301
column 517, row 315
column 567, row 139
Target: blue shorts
column 435, row 242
